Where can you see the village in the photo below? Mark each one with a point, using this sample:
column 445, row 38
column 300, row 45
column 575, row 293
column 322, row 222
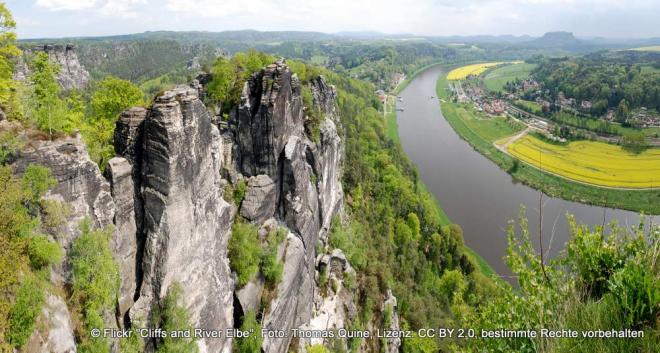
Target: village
column 527, row 102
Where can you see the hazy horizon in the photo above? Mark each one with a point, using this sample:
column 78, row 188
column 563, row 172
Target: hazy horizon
column 442, row 18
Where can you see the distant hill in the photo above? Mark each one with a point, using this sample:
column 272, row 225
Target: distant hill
column 557, row 40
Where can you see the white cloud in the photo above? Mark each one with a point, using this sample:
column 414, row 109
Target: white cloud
column 121, row 8
column 59, row 5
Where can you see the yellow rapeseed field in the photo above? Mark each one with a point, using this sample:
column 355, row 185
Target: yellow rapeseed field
column 592, row 162
column 474, row 69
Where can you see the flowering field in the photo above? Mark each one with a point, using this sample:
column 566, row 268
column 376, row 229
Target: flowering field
column 474, row 69
column 591, row 162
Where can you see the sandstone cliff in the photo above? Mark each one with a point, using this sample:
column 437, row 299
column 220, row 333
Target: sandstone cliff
column 163, row 193
column 72, row 74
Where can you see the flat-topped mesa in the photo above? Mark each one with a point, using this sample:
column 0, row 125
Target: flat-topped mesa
column 270, row 111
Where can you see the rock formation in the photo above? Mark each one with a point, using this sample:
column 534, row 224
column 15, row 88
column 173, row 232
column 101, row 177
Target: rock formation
column 164, row 196
column 72, row 74
column 186, row 222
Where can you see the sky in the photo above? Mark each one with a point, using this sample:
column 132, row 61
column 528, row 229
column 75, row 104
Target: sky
column 585, row 18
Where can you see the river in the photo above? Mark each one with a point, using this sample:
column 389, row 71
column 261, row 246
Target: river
column 473, row 191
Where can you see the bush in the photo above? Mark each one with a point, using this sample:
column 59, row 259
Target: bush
column 43, row 252
column 24, row 312
column 173, row 316
column 55, row 214
column 244, row 251
column 9, row 144
column 636, row 291
column 36, row 182
column 95, row 282
column 270, row 266
column 251, row 344
column 239, row 192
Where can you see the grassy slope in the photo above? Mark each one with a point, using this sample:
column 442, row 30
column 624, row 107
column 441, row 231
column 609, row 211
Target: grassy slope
column 497, row 78
column 646, row 201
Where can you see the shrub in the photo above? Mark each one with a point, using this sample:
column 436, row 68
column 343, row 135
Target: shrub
column 24, row 312
column 43, row 252
column 252, row 343
column 54, row 213
column 636, row 291
column 271, row 267
column 173, row 316
column 9, row 144
column 95, row 282
column 244, row 251
column 36, row 182
column 239, row 192
column 317, row 348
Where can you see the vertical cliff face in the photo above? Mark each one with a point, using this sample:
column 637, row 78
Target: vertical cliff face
column 173, row 152
column 85, row 194
column 272, row 145
column 72, row 74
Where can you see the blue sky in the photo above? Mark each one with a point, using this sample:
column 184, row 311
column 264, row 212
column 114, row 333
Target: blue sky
column 586, row 18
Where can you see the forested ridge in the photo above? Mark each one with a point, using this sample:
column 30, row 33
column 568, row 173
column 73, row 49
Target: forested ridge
column 603, row 82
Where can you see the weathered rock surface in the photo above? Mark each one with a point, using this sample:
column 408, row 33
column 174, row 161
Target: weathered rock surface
column 79, row 182
column 334, row 308
column 293, row 305
column 125, row 242
column 186, row 221
column 260, row 199
column 72, row 74
column 270, row 111
column 324, row 96
column 390, row 308
column 56, row 333
column 272, row 144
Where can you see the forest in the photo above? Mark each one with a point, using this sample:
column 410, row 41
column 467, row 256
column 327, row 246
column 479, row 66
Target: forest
column 606, row 83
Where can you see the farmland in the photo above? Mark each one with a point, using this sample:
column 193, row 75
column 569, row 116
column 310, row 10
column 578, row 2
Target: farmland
column 464, row 121
column 498, row 77
column 591, row 162
column 474, row 69
column 649, row 48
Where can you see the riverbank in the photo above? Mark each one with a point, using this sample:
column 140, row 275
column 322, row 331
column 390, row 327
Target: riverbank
column 481, row 137
column 393, row 133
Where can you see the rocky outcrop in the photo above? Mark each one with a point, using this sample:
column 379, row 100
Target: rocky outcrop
column 80, row 184
column 186, row 220
column 163, row 194
column 127, row 240
column 55, row 330
column 324, row 96
column 391, row 319
column 270, row 111
column 72, row 74
column 260, row 199
column 272, row 145
column 334, row 308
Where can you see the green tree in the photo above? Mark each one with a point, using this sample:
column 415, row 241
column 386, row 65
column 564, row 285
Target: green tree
column 622, row 111
column 95, row 283
column 25, row 311
column 111, row 96
column 224, row 76
column 48, row 108
column 8, row 51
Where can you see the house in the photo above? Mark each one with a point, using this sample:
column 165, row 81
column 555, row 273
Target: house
column 585, row 105
column 381, row 95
